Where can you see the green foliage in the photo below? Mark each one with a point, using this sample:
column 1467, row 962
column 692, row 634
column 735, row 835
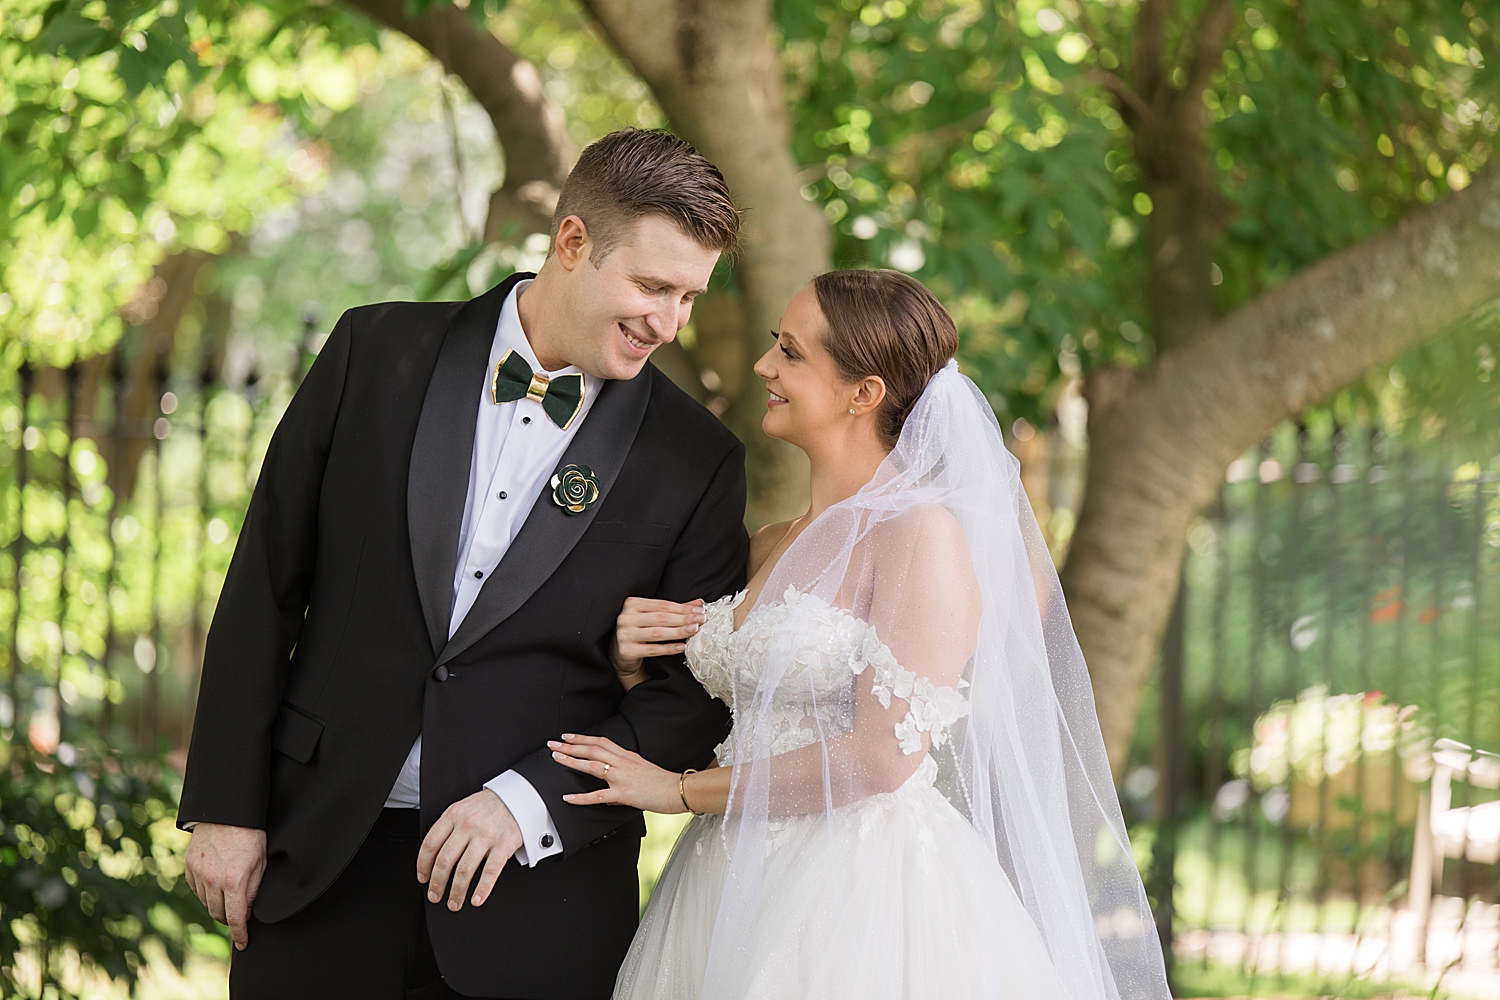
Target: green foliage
column 132, row 130
column 940, row 141
column 388, row 211
column 94, row 866
column 599, row 91
column 977, row 144
column 1332, row 118
column 1446, row 388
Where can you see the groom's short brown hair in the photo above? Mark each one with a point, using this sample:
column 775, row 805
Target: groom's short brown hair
column 633, row 173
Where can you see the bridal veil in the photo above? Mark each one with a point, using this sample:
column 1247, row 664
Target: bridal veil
column 936, row 574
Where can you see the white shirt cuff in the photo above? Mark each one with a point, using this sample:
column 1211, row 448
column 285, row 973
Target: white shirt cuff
column 539, row 836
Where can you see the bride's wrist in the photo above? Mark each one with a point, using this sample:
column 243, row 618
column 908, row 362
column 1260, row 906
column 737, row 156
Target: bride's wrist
column 628, row 675
column 682, row 791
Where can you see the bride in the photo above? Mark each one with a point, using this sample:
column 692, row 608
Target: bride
column 914, row 801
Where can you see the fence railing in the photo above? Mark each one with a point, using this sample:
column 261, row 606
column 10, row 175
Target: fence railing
column 117, row 529
column 1337, row 638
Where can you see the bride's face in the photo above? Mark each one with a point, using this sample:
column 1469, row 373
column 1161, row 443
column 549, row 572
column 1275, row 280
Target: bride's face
column 810, row 397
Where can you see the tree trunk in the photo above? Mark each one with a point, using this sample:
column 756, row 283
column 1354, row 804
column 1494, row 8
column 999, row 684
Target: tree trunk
column 156, row 312
column 1161, row 440
column 714, row 67
column 1169, row 125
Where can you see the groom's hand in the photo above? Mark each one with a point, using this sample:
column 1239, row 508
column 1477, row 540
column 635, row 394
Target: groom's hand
column 478, row 830
column 224, row 866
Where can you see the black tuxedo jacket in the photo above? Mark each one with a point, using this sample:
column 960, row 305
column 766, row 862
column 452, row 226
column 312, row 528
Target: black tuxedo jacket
column 329, row 651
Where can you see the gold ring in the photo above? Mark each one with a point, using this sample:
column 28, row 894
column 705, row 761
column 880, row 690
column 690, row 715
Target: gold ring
column 606, row 768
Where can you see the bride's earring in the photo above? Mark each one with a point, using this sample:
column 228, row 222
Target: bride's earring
column 851, row 409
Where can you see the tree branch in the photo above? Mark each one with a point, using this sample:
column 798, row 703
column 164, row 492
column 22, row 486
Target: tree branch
column 1209, row 37
column 1189, row 212
column 532, row 130
column 1133, row 108
column 1359, row 308
column 1150, row 48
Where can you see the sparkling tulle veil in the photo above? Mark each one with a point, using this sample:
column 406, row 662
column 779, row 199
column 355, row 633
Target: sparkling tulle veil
column 939, row 560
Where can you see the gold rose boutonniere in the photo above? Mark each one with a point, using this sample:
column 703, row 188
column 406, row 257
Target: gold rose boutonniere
column 575, row 488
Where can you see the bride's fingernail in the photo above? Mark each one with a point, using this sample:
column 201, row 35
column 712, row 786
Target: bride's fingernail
column 557, row 756
column 568, row 736
column 553, row 743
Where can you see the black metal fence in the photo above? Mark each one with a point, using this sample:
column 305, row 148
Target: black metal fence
column 118, row 518
column 1329, row 702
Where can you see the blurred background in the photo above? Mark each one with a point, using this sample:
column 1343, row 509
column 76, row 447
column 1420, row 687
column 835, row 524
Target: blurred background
column 1226, row 269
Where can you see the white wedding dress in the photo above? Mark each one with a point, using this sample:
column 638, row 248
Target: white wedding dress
column 926, row 895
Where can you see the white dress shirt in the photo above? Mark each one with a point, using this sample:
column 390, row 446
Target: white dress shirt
column 516, row 449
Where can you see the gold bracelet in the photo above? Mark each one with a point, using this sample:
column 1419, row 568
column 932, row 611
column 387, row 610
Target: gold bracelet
column 682, row 790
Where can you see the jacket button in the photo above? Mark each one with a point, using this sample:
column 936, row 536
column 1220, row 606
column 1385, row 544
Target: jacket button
column 441, row 673
column 546, row 840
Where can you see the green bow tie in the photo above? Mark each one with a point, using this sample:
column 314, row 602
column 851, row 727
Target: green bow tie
column 561, row 397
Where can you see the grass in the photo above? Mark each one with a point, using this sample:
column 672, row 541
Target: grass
column 1220, row 895
column 661, row 833
column 1196, row 980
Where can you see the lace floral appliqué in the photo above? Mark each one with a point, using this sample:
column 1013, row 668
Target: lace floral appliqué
column 834, row 647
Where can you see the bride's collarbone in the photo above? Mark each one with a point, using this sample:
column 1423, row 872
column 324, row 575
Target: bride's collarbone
column 767, row 546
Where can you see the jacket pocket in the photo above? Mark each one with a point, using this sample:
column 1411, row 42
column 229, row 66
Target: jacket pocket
column 627, row 533
column 296, row 733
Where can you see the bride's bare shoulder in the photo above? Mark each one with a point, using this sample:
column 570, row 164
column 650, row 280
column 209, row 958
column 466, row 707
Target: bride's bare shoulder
column 930, row 524
column 763, row 543
column 928, row 540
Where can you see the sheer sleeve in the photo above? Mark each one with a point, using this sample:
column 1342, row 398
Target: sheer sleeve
column 904, row 649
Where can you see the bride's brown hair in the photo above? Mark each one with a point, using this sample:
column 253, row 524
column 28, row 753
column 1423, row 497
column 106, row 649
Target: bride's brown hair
column 885, row 323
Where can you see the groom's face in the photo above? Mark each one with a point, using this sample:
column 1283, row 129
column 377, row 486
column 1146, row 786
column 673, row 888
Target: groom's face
column 635, row 299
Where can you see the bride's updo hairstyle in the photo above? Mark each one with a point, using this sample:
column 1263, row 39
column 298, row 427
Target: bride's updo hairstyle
column 885, row 323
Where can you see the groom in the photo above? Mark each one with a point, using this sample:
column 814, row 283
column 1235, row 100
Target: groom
column 453, row 510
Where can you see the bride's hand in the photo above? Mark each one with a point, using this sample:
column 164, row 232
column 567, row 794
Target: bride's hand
column 633, row 780
column 647, row 628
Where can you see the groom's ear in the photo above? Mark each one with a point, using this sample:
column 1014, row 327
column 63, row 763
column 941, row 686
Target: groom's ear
column 572, row 245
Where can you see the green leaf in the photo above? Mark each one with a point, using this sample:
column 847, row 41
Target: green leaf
column 86, row 219
column 135, row 70
column 76, row 37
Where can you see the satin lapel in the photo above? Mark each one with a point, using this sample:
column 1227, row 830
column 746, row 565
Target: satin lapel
column 438, row 481
column 550, row 533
